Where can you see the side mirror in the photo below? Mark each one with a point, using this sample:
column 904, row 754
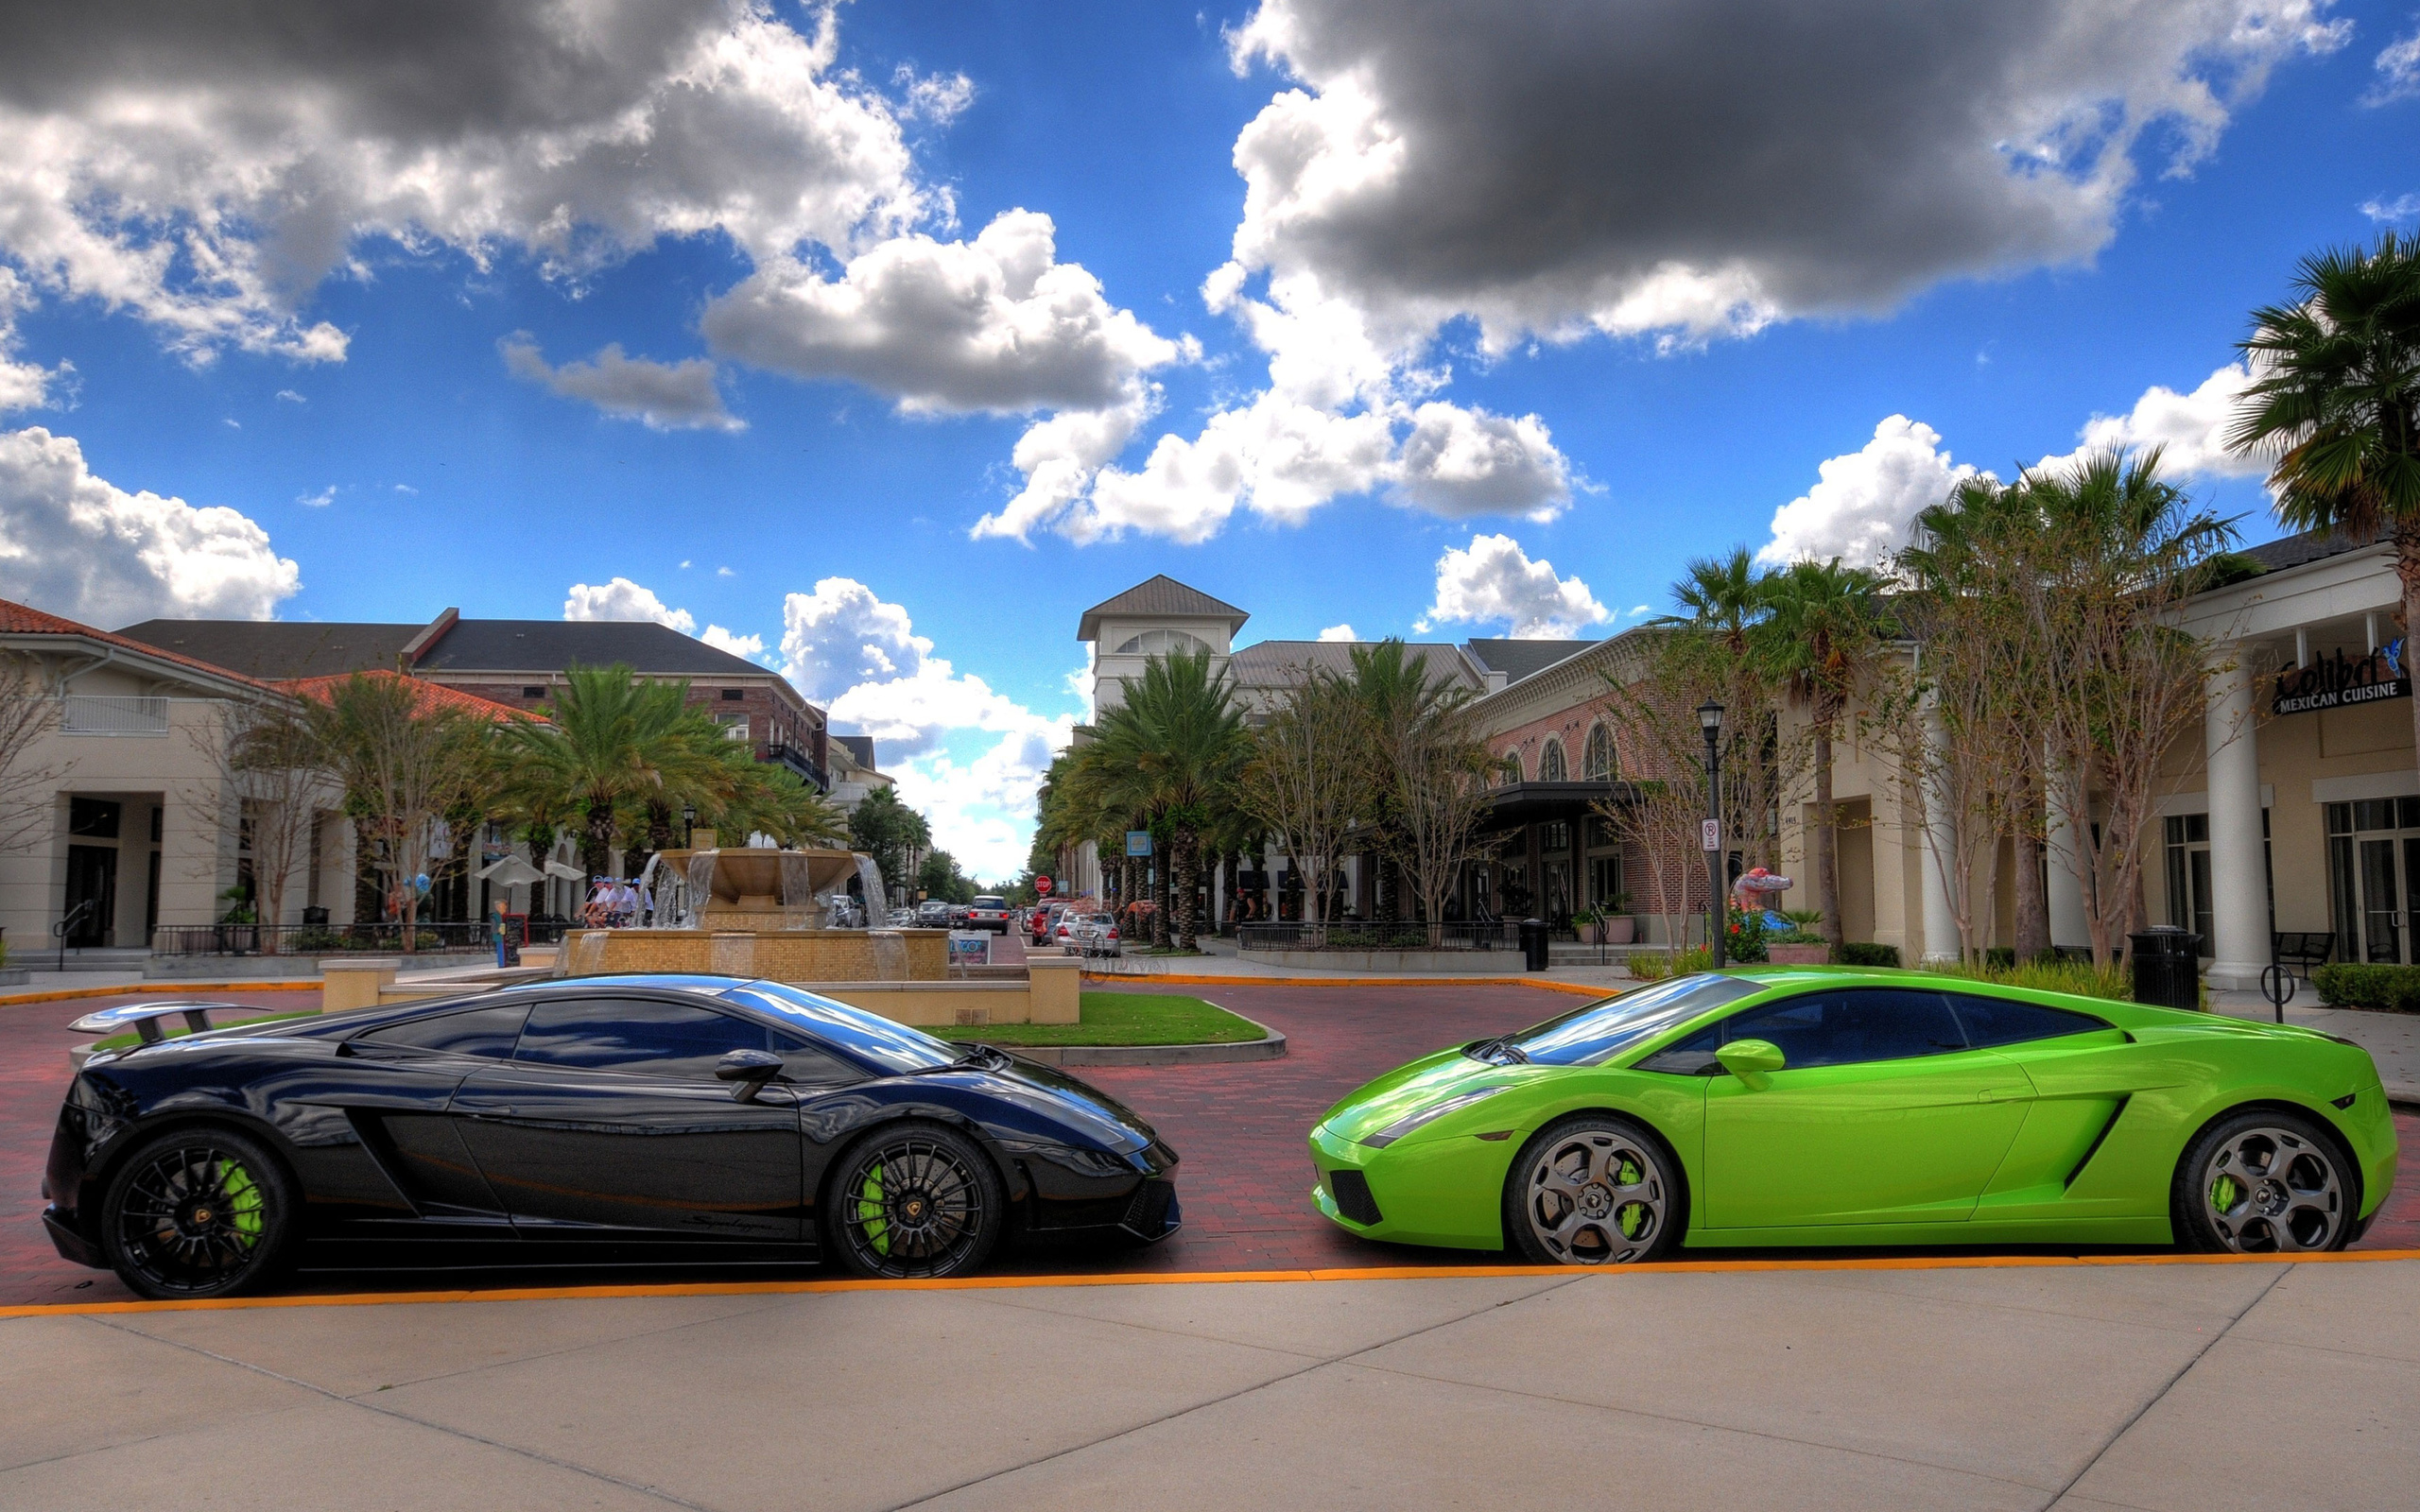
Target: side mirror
column 1751, row 1061
column 748, row 1071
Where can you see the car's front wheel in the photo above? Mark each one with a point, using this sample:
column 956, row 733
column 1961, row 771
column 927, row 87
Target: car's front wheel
column 1594, row 1190
column 917, row 1200
column 198, row 1212
column 2264, row 1183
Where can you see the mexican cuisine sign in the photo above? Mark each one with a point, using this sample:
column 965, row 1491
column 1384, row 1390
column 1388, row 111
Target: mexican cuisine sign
column 2340, row 681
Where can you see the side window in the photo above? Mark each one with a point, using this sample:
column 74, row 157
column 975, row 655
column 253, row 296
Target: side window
column 488, row 1032
column 810, row 1067
column 1991, row 1021
column 1845, row 1027
column 655, row 1039
column 1689, row 1057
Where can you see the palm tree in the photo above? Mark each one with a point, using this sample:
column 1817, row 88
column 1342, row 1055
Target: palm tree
column 2336, row 400
column 1174, row 750
column 611, row 741
column 1399, row 698
column 1818, row 638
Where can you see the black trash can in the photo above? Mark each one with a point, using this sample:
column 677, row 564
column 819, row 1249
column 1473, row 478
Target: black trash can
column 1533, row 943
column 2168, row 967
column 315, row 916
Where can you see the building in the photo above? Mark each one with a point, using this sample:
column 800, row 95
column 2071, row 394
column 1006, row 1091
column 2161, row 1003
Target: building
column 853, row 770
column 518, row 662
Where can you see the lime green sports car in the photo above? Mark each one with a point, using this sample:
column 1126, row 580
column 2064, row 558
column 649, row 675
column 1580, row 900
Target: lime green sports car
column 1809, row 1105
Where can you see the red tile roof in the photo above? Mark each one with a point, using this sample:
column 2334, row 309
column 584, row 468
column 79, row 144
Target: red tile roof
column 431, row 694
column 23, row 619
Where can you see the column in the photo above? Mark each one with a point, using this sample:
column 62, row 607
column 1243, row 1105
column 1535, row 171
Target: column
column 2069, row 924
column 2239, row 883
column 1939, row 846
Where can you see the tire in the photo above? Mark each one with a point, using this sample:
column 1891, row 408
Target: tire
column 199, row 1212
column 913, row 1200
column 2265, row 1181
column 1594, row 1190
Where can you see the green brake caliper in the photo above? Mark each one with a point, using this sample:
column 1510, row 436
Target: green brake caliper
column 244, row 1201
column 1633, row 1216
column 2224, row 1192
column 870, row 1216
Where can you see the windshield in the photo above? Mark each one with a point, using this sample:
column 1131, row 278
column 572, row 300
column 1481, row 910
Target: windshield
column 1590, row 1036
column 879, row 1044
column 991, row 903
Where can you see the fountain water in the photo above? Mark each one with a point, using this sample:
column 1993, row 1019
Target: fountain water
column 877, row 897
column 889, row 954
column 799, row 910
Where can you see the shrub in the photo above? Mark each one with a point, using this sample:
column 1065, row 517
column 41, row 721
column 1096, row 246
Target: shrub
column 1744, row 944
column 2078, row 978
column 314, row 942
column 1865, row 953
column 2360, row 984
column 1656, row 966
column 1794, row 937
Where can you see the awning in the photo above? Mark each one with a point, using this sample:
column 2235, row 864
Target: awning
column 514, row 871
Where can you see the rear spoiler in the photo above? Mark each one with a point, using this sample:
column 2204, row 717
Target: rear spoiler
column 144, row 1019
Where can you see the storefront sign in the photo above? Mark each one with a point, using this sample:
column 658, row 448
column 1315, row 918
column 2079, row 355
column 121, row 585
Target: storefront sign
column 2340, row 681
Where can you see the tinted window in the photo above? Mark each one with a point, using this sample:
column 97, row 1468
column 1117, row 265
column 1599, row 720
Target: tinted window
column 2002, row 1022
column 488, row 1032
column 869, row 1038
column 658, row 1039
column 809, row 1067
column 1586, row 1036
column 1855, row 1024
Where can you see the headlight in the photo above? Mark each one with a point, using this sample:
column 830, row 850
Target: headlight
column 1422, row 1117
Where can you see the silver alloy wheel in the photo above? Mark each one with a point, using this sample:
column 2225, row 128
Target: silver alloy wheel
column 2271, row 1190
column 1595, row 1198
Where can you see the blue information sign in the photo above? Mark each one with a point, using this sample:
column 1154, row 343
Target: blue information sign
column 1138, row 842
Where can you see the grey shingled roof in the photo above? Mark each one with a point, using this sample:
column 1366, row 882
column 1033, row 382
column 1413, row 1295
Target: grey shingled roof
column 2310, row 546
column 1161, row 597
column 1276, row 663
column 280, row 650
column 860, row 746
column 1520, row 659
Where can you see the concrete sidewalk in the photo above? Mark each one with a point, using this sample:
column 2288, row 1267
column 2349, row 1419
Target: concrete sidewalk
column 2185, row 1386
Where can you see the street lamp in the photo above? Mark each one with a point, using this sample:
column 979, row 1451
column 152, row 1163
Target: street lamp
column 688, row 824
column 1710, row 720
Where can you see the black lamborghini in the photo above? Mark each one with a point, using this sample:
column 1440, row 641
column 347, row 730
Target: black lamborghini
column 635, row 1118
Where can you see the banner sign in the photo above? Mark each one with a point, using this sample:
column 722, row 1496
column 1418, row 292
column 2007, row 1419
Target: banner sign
column 1138, row 842
column 2340, row 681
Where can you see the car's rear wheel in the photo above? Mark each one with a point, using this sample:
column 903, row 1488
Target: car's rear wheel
column 198, row 1212
column 2264, row 1183
column 1594, row 1190
column 915, row 1200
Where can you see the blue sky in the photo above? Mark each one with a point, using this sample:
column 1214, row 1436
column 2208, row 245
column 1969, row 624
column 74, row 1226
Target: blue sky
column 749, row 318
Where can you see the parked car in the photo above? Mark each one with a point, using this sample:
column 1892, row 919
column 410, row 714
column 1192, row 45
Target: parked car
column 657, row 1116
column 1801, row 1107
column 990, row 913
column 902, row 919
column 933, row 913
column 958, row 912
column 1096, row 934
column 1045, row 919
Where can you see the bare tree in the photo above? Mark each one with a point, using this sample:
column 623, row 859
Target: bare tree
column 268, row 783
column 1305, row 780
column 403, row 759
column 1439, row 769
column 29, row 713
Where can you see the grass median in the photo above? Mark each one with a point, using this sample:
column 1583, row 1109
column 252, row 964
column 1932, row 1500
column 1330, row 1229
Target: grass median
column 1123, row 1019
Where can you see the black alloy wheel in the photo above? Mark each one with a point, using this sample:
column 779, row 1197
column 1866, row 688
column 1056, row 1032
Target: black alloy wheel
column 2265, row 1182
column 918, row 1201
column 196, row 1212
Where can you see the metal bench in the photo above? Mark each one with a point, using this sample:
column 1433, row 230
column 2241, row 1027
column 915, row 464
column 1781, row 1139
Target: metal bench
column 2303, row 949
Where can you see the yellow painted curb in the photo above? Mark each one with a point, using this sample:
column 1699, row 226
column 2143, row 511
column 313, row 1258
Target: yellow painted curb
column 1349, row 981
column 979, row 1283
column 132, row 988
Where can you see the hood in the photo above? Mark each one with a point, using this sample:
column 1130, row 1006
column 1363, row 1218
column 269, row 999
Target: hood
column 1407, row 1088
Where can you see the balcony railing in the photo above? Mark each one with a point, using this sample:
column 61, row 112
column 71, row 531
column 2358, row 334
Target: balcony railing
column 1377, row 935
column 86, row 713
column 798, row 761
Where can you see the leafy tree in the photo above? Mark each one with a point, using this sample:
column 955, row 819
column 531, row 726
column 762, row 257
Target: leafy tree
column 939, row 877
column 614, row 745
column 1172, row 751
column 1819, row 638
column 1308, row 779
column 403, row 757
column 892, row 833
column 2335, row 400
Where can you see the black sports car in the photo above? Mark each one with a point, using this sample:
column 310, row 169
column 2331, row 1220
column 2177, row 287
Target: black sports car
column 632, row 1118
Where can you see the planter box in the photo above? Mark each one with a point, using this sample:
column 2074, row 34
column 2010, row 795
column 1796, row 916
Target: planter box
column 1619, row 930
column 1799, row 955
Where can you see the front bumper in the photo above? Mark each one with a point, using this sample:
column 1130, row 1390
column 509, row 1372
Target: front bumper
column 1447, row 1192
column 69, row 1240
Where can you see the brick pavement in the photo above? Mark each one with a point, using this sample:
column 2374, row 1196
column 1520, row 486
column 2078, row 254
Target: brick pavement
column 1245, row 1177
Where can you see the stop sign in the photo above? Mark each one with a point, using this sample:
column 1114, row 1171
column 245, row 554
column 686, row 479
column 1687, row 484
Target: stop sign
column 1041, row 886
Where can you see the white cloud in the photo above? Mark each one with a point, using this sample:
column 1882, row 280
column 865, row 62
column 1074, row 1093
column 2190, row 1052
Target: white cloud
column 2190, row 427
column 291, row 397
column 842, row 636
column 405, row 489
column 1338, row 632
column 749, row 648
column 982, row 812
column 207, row 168
column 317, row 501
column 1637, row 610
column 934, row 98
column 2401, row 208
column 22, row 385
column 622, row 599
column 1862, row 503
column 667, row 396
column 77, row 544
column 1494, row 579
column 2398, row 71
column 996, row 324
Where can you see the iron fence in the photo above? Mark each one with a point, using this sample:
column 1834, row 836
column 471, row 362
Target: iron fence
column 1379, row 935
column 329, row 940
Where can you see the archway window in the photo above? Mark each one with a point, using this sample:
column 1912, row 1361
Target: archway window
column 1160, row 642
column 1596, row 765
column 1512, row 767
column 1550, row 768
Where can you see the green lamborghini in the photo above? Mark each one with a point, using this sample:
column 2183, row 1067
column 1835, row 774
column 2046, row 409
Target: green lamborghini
column 1810, row 1106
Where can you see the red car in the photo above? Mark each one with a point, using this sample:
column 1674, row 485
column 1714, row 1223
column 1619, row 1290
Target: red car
column 1045, row 919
